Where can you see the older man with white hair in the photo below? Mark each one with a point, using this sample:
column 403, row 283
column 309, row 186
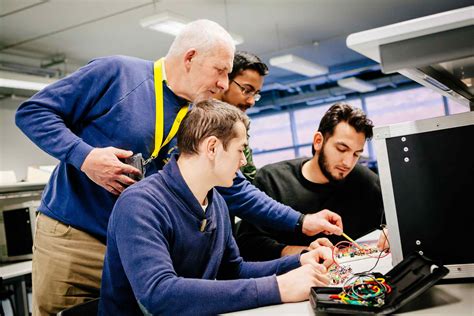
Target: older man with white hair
column 103, row 113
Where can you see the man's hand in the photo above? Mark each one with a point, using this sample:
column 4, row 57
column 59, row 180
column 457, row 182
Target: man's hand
column 322, row 255
column 320, row 242
column 383, row 243
column 296, row 285
column 324, row 221
column 103, row 166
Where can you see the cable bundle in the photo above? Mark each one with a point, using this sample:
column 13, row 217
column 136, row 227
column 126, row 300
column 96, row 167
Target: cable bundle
column 364, row 289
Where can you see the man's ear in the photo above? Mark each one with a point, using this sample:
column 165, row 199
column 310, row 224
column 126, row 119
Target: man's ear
column 210, row 146
column 318, row 141
column 189, row 58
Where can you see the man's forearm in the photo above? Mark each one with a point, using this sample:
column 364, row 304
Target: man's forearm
column 246, row 201
column 292, row 250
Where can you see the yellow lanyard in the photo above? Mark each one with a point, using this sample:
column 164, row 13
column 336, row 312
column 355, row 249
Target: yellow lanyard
column 160, row 113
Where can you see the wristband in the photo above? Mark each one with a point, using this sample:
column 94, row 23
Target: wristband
column 299, row 224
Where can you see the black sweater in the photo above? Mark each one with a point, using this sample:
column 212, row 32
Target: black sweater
column 357, row 200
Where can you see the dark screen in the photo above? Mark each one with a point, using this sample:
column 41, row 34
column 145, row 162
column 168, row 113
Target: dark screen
column 434, row 193
column 18, row 231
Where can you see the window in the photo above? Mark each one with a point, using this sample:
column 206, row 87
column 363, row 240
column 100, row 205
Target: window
column 270, row 132
column 307, row 122
column 402, row 106
column 306, row 151
column 272, row 140
column 274, row 156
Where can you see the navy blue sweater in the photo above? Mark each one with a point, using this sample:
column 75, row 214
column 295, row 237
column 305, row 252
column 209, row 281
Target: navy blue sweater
column 156, row 254
column 111, row 102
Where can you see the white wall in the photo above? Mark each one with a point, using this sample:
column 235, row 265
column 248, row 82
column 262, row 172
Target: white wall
column 17, row 152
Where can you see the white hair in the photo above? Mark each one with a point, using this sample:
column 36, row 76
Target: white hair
column 203, row 35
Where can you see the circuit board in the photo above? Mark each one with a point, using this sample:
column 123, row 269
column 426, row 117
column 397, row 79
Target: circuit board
column 350, row 259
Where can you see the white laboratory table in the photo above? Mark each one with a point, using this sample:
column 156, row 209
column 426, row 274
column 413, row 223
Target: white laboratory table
column 11, row 270
column 445, row 299
column 14, row 274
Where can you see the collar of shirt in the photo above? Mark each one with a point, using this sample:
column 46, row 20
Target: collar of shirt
column 163, row 71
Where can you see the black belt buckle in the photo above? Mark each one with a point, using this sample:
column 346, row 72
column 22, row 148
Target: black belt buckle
column 138, row 162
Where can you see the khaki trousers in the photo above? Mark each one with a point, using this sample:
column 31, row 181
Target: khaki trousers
column 67, row 266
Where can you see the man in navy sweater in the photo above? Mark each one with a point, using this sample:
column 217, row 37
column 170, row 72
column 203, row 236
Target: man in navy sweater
column 170, row 249
column 108, row 110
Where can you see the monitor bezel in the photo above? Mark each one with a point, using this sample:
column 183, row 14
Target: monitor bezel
column 380, row 145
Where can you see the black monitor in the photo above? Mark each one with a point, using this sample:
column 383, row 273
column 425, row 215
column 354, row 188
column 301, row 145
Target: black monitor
column 426, row 170
column 17, row 225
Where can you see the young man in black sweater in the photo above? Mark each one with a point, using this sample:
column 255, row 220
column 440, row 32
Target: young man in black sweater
column 330, row 180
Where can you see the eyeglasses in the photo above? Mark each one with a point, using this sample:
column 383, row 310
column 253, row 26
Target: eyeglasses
column 248, row 92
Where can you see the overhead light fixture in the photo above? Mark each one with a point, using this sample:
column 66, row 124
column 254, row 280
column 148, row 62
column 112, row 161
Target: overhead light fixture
column 173, row 24
column 11, row 80
column 326, row 100
column 356, row 84
column 164, row 22
column 299, row 65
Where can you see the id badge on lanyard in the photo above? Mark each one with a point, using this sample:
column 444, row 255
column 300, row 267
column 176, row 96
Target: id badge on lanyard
column 137, row 160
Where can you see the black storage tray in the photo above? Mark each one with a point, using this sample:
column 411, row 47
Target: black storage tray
column 408, row 279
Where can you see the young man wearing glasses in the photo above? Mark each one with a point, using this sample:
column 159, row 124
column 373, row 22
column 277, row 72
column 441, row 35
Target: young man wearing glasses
column 245, row 82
